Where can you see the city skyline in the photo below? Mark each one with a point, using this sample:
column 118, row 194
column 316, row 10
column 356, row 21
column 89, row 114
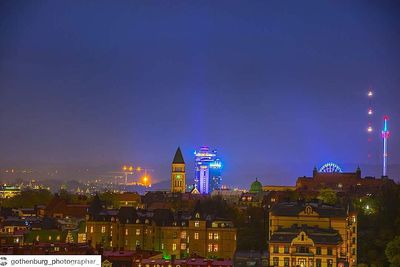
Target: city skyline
column 95, row 85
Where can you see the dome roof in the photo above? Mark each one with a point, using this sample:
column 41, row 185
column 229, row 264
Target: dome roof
column 256, row 187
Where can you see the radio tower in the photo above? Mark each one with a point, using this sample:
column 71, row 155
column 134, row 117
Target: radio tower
column 385, row 136
column 370, row 112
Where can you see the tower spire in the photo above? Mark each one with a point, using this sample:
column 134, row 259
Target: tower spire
column 385, row 136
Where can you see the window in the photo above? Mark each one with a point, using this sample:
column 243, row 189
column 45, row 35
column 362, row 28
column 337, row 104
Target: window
column 353, row 251
column 196, row 224
column 183, row 234
column 126, row 232
column 302, row 237
column 173, row 247
column 58, row 238
column 286, row 262
column 210, row 235
column 209, row 248
column 111, row 233
column 286, row 250
column 302, row 249
column 162, row 246
column 276, row 249
column 137, row 231
column 353, row 240
column 137, row 243
column 215, row 247
column 103, row 229
column 318, row 263
column 174, row 235
column 216, row 236
column 37, row 238
column 330, row 263
column 354, row 229
column 276, row 261
column 111, row 243
column 318, row 252
column 183, row 246
column 91, row 229
column 329, row 251
column 196, row 236
column 49, row 237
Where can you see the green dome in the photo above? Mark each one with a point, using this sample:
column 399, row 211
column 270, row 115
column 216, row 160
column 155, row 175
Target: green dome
column 256, row 187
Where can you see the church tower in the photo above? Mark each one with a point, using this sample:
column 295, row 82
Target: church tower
column 178, row 175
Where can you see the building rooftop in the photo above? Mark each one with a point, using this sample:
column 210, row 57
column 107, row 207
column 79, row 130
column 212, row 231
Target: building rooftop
column 318, row 235
column 178, row 158
column 294, row 208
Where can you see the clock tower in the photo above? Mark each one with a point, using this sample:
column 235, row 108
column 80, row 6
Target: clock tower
column 178, row 175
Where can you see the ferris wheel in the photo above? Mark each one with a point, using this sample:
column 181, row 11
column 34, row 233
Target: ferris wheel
column 330, row 167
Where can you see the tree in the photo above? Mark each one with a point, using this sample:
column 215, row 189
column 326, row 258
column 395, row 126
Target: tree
column 328, row 196
column 392, row 252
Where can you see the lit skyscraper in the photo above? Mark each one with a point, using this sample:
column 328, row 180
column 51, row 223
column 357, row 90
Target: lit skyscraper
column 208, row 170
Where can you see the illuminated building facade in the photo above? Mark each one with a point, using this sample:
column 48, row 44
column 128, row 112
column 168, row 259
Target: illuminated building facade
column 330, row 176
column 7, row 191
column 208, row 170
column 175, row 235
column 312, row 235
column 178, row 174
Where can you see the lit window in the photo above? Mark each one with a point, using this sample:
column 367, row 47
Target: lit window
column 183, row 234
column 111, row 243
column 103, row 229
column 162, row 246
column 183, row 246
column 209, row 247
column 137, row 231
column 216, row 236
column 37, row 238
column 196, row 224
column 111, row 233
column 49, row 237
column 91, row 229
column 58, row 238
column 126, row 232
column 173, row 247
column 215, row 247
column 196, row 236
column 210, row 235
column 137, row 243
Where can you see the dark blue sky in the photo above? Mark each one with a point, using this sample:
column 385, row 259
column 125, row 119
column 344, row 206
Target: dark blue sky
column 276, row 86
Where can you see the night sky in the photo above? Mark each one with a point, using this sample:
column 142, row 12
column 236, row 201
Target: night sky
column 276, row 86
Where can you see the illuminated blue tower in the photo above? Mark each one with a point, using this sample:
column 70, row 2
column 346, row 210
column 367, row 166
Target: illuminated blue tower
column 208, row 170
